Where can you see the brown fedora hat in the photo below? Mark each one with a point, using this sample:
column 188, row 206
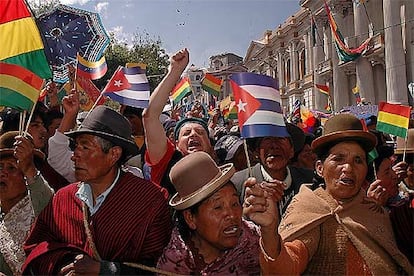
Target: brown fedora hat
column 410, row 143
column 111, row 125
column 7, row 140
column 196, row 177
column 343, row 127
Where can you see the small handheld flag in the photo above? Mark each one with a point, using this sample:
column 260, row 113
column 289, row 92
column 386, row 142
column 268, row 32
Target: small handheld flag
column 181, row 90
column 91, row 69
column 211, row 84
column 129, row 86
column 393, row 119
column 258, row 104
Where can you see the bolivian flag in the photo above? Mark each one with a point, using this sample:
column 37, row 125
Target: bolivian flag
column 181, row 90
column 211, row 84
column 20, row 39
column 19, row 87
column 393, row 119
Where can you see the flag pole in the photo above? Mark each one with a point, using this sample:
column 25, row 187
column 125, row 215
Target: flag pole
column 405, row 147
column 28, row 121
column 246, row 152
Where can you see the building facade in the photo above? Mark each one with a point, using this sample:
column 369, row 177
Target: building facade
column 301, row 52
column 221, row 66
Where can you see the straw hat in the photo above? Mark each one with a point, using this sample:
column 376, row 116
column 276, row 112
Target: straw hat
column 343, row 127
column 196, row 177
column 410, row 143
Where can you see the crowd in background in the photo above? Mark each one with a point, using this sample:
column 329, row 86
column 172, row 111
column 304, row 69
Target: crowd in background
column 167, row 190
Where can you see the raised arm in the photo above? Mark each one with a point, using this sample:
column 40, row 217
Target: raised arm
column 155, row 137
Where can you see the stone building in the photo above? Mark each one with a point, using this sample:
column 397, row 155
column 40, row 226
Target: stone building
column 221, row 66
column 300, row 54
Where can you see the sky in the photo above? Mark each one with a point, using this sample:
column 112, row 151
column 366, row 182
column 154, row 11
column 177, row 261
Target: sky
column 205, row 27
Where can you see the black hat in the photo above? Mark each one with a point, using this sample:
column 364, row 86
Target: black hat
column 227, row 146
column 110, row 125
column 184, row 121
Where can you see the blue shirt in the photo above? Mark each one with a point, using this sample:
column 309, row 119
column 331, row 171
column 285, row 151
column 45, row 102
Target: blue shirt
column 84, row 193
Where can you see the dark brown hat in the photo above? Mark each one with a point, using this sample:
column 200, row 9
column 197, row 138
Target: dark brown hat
column 343, row 127
column 110, row 125
column 195, row 177
column 7, row 147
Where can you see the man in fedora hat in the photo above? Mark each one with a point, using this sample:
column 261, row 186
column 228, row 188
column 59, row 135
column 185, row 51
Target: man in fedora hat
column 191, row 134
column 107, row 218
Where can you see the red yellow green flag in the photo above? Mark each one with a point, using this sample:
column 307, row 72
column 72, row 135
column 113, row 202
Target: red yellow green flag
column 21, row 43
column 19, row 87
column 211, row 84
column 324, row 89
column 393, row 119
column 181, row 90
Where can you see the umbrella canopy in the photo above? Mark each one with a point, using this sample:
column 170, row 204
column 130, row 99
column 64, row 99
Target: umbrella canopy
column 68, row 31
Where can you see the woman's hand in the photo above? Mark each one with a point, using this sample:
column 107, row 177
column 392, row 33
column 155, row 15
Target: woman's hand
column 259, row 204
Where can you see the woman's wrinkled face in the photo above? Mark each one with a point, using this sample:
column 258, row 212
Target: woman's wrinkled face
column 12, row 184
column 217, row 223
column 344, row 170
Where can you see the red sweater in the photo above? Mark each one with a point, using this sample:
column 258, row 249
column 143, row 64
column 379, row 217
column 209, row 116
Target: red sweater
column 132, row 225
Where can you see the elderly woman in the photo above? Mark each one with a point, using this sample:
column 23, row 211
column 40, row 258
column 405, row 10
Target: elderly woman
column 210, row 237
column 23, row 194
column 334, row 229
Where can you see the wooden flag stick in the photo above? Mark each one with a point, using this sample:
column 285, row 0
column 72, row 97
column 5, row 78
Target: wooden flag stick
column 28, row 121
column 246, row 151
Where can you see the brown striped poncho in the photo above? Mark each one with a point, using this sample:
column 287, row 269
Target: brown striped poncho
column 132, row 225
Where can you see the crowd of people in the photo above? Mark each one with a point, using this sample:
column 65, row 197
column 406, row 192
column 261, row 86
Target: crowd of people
column 148, row 191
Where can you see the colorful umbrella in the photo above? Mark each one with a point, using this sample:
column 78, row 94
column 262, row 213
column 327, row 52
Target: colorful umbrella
column 68, row 31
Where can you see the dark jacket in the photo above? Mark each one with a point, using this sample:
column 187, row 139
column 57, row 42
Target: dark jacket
column 299, row 177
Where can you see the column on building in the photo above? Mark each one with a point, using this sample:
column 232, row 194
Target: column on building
column 409, row 32
column 365, row 79
column 293, row 62
column 397, row 90
column 318, row 55
column 281, row 69
column 340, row 90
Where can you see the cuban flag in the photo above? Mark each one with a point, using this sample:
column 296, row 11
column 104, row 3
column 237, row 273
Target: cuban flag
column 257, row 100
column 129, row 86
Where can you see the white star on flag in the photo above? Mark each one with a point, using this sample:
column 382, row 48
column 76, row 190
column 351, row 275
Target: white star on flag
column 118, row 83
column 241, row 105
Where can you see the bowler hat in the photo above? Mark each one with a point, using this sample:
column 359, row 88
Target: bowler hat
column 410, row 143
column 109, row 125
column 343, row 127
column 195, row 177
column 7, row 147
